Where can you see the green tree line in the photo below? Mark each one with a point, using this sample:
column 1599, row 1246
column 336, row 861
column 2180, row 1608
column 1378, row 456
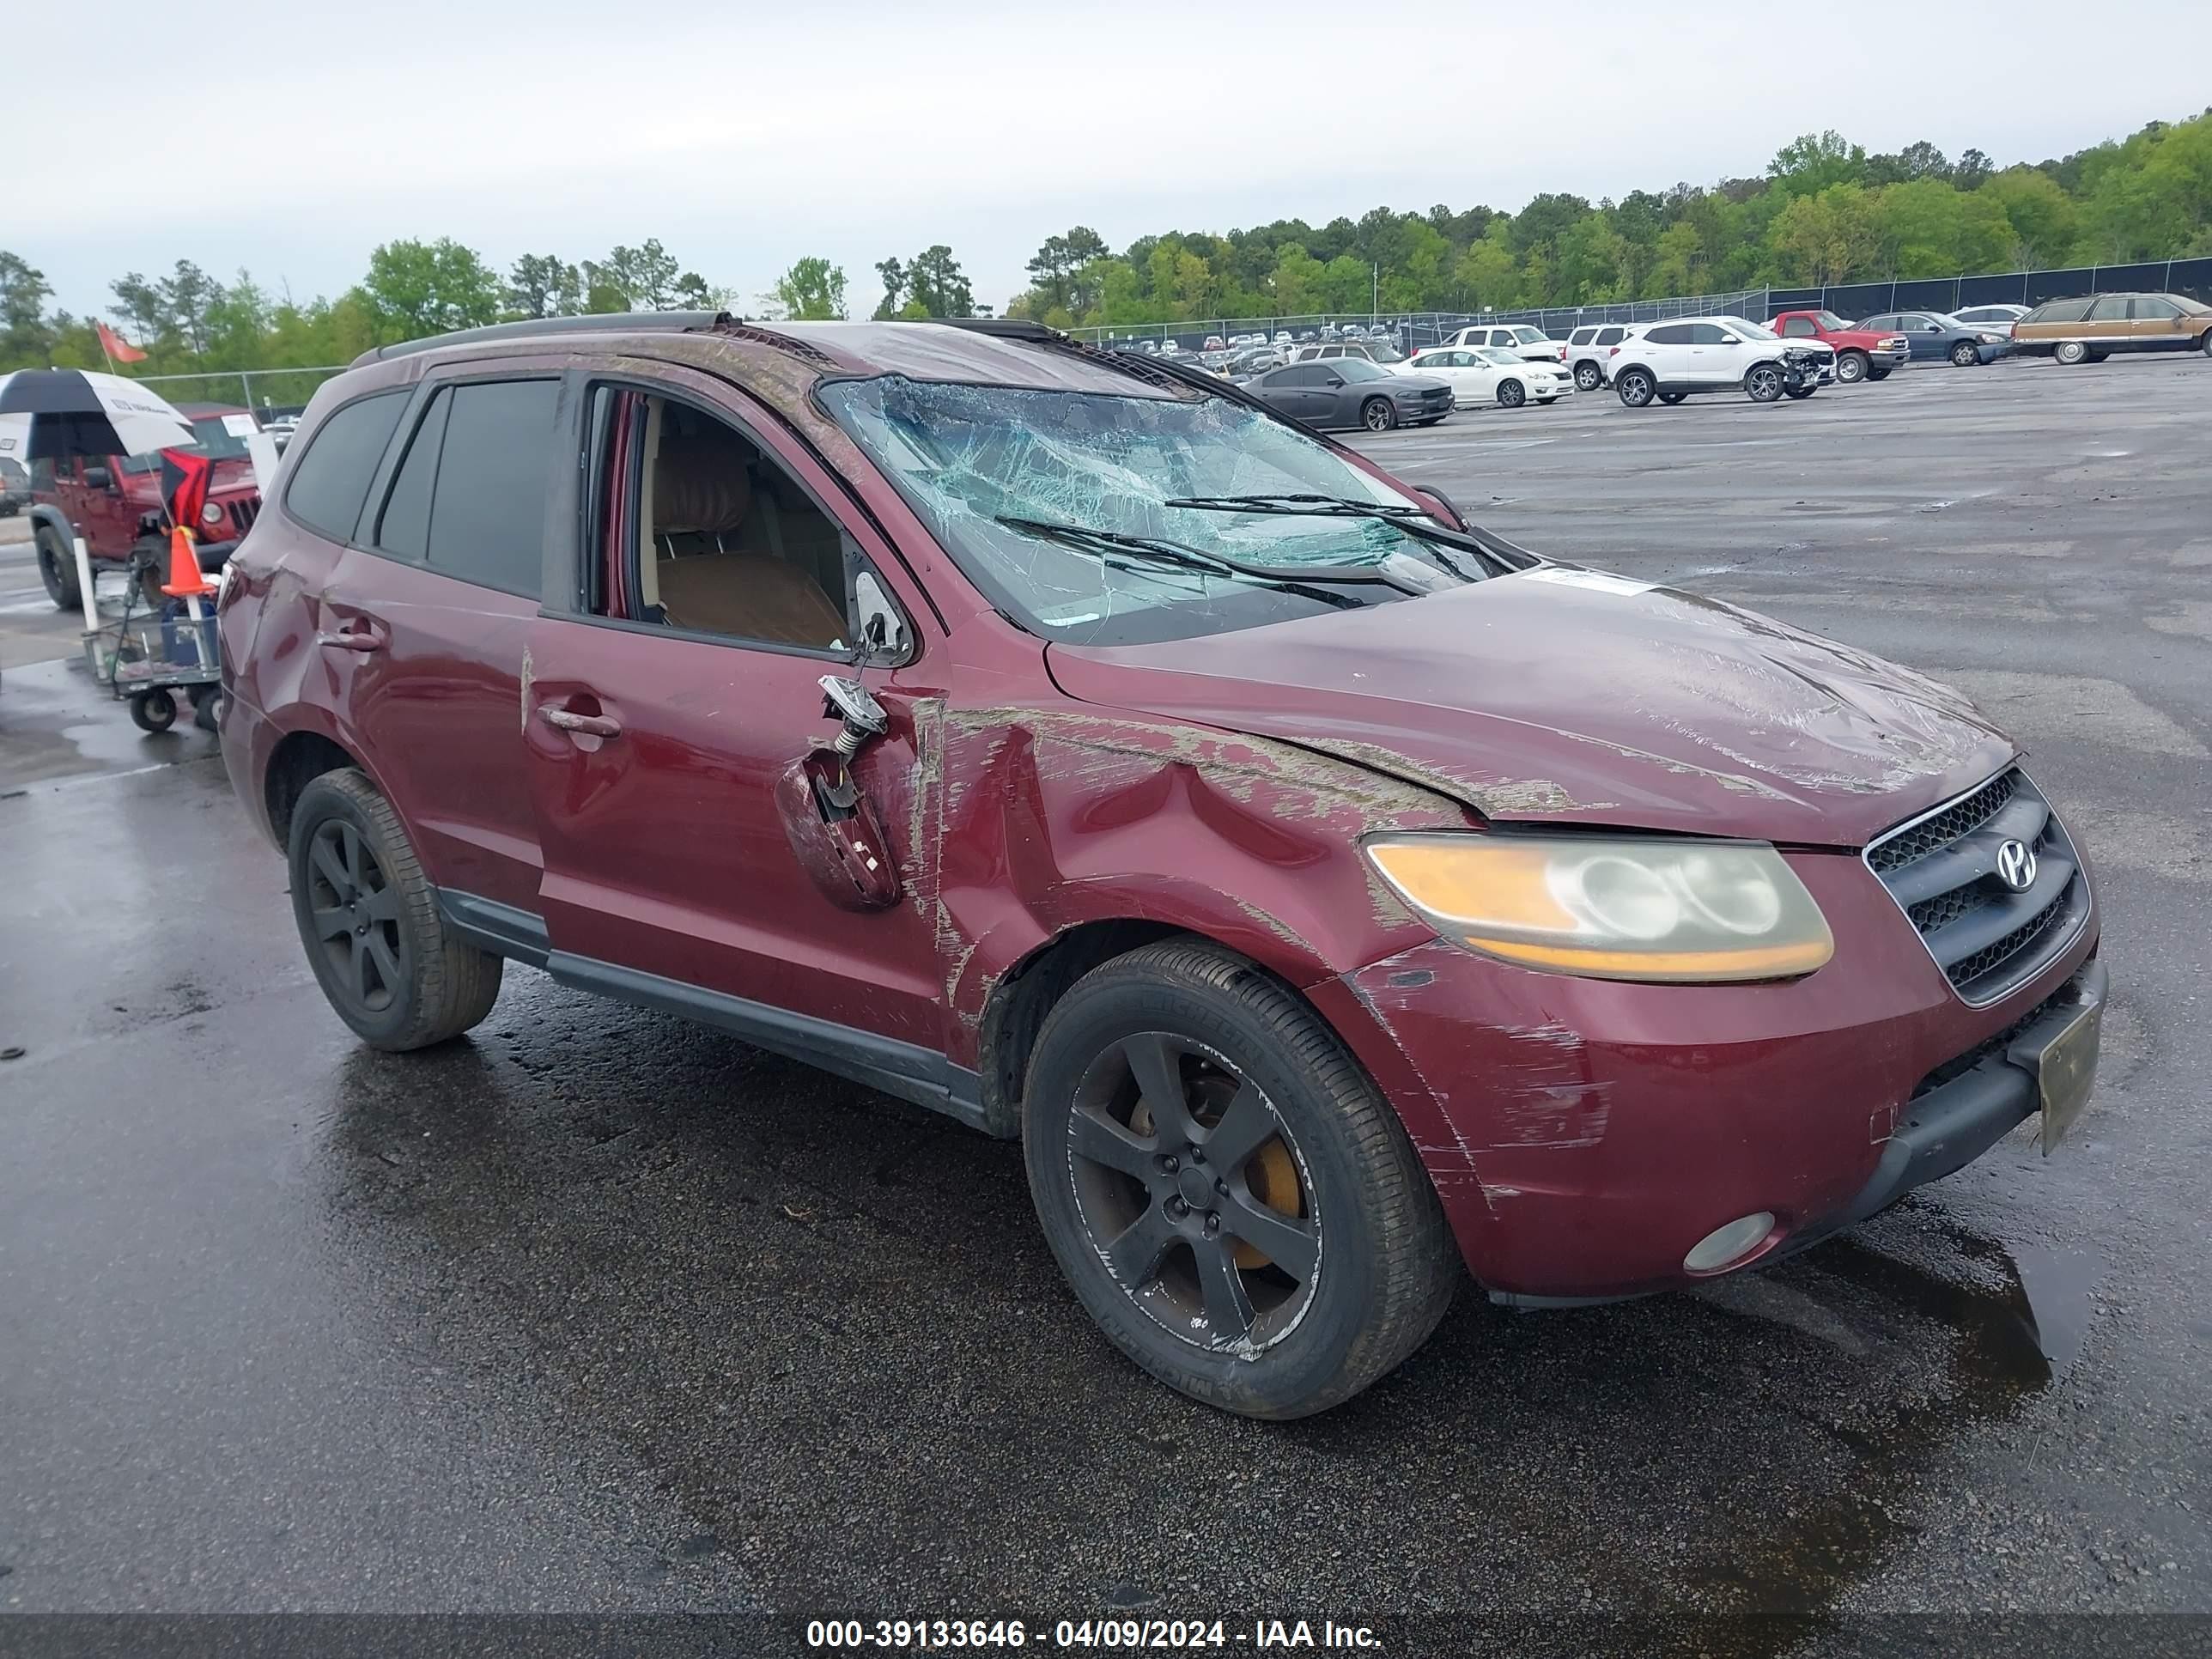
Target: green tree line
column 1825, row 211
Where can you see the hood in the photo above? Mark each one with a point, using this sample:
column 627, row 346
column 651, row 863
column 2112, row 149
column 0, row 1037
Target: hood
column 1568, row 696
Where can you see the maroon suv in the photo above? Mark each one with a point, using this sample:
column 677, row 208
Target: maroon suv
column 1321, row 887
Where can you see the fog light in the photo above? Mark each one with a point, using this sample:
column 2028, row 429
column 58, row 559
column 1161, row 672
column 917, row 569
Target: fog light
column 1730, row 1243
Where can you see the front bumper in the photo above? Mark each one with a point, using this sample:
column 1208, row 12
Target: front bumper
column 1582, row 1135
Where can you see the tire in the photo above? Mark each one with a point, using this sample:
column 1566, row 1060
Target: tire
column 1852, row 367
column 2204, row 342
column 1670, row 398
column 1800, row 391
column 57, row 568
column 1377, row 415
column 369, row 919
column 1763, row 383
column 1589, row 377
column 153, row 712
column 2099, row 356
column 1511, row 394
column 1635, row 387
column 1965, row 355
column 1872, row 373
column 2070, row 352
column 1287, row 1330
column 207, row 707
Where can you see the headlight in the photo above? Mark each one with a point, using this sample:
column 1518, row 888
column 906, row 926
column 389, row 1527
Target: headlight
column 211, row 513
column 1685, row 911
column 1991, row 339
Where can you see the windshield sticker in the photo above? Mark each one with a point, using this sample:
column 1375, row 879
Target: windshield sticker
column 1598, row 582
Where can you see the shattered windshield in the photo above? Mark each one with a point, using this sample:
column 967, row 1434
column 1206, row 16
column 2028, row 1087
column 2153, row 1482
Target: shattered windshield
column 1001, row 475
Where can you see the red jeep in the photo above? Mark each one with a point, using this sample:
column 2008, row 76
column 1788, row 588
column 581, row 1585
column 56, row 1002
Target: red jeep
column 1324, row 891
column 1861, row 354
column 114, row 501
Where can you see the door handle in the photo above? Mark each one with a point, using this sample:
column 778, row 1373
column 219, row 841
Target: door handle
column 582, row 726
column 363, row 638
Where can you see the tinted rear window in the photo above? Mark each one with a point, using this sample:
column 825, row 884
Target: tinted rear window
column 487, row 507
column 330, row 482
column 2059, row 311
column 1669, row 334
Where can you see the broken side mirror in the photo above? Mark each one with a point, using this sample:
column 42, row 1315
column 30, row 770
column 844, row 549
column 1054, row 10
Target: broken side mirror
column 883, row 635
column 827, row 817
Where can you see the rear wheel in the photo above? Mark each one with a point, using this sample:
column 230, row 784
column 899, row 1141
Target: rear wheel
column 1376, row 414
column 57, row 568
column 1671, row 398
column 153, row 712
column 1851, row 366
column 1763, row 383
column 1635, row 386
column 1963, row 355
column 1588, row 376
column 2070, row 352
column 369, row 918
column 1801, row 390
column 2204, row 342
column 1191, row 1133
column 1511, row 394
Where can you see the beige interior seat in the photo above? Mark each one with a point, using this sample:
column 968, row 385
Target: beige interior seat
column 711, row 572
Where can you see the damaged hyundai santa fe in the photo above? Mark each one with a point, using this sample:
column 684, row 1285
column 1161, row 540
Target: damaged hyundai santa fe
column 1326, row 892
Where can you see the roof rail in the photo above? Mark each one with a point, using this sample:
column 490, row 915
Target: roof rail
column 615, row 322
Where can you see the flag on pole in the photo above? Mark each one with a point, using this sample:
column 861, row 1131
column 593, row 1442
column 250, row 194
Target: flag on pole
column 118, row 349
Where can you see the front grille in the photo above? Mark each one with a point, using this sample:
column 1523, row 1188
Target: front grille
column 1942, row 869
column 1961, row 817
column 1960, row 1065
column 243, row 511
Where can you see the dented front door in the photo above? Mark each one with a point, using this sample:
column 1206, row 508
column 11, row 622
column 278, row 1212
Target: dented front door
column 656, row 764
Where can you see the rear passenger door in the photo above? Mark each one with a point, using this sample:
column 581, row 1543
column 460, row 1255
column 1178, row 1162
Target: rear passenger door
column 675, row 699
column 425, row 613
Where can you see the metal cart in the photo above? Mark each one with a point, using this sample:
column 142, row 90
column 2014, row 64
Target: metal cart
column 146, row 660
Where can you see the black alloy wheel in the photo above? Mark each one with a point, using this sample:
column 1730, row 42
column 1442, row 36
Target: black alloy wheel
column 1376, row 414
column 354, row 912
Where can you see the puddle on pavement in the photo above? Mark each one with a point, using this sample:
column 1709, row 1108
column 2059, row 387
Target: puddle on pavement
column 2015, row 1337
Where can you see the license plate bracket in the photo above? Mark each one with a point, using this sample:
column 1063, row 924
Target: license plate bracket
column 2061, row 1057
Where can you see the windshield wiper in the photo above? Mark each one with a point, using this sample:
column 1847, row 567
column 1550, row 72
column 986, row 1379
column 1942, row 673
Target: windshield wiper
column 1291, row 579
column 1417, row 522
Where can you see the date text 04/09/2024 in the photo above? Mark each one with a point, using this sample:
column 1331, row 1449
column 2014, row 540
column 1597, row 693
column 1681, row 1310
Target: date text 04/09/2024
column 924, row 1635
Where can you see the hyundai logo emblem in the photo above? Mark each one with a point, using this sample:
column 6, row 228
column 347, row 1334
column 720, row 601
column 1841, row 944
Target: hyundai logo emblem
column 2016, row 865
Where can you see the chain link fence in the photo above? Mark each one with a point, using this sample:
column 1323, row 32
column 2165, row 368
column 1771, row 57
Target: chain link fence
column 268, row 393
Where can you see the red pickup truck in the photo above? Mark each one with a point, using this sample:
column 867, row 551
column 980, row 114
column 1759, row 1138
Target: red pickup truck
column 1861, row 354
column 114, row 501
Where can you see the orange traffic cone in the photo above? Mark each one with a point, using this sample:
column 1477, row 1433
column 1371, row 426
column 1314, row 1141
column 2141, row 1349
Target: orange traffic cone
column 187, row 579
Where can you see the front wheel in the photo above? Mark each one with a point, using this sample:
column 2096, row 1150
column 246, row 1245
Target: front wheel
column 1376, row 414
column 1511, row 394
column 2205, row 343
column 1229, row 1197
column 1872, row 373
column 369, row 918
column 1635, row 386
column 1963, row 355
column 1763, row 383
column 1851, row 368
column 1588, row 376
column 1670, row 398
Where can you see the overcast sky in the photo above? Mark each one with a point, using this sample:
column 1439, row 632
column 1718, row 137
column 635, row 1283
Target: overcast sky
column 744, row 137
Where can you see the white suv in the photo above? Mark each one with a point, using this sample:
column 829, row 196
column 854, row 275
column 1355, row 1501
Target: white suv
column 1530, row 344
column 1670, row 361
column 1589, row 348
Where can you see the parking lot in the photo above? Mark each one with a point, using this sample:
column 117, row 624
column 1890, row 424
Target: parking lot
column 597, row 1310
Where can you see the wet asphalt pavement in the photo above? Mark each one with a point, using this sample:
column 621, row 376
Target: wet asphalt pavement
column 598, row 1311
